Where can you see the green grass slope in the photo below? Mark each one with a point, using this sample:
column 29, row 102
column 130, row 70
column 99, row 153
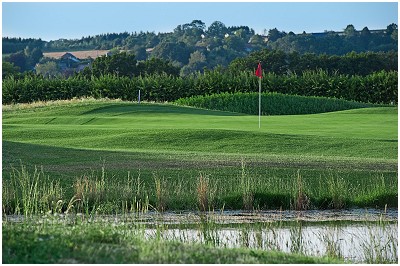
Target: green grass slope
column 71, row 139
column 365, row 133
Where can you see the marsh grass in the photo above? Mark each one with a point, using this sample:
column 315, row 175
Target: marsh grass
column 32, row 192
column 332, row 243
column 161, row 194
column 88, row 241
column 246, row 187
column 90, row 191
column 338, row 242
column 338, row 191
column 382, row 244
column 208, row 229
column 202, row 193
column 301, row 201
column 296, row 238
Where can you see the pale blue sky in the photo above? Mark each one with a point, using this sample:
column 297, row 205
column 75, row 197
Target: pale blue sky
column 51, row 21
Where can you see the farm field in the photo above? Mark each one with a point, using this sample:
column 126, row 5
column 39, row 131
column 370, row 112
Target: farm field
column 78, row 54
column 109, row 157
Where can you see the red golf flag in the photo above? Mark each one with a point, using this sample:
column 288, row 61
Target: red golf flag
column 259, row 71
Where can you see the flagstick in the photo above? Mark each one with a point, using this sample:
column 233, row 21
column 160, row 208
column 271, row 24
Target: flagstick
column 259, row 102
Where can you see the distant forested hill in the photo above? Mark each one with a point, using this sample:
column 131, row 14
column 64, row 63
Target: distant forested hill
column 194, row 46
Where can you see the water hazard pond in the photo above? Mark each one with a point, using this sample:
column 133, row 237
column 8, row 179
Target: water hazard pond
column 357, row 235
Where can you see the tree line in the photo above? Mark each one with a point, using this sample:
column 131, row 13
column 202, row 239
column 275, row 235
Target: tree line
column 273, row 61
column 194, row 46
column 279, row 62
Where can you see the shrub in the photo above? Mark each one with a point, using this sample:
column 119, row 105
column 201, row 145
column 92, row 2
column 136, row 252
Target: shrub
column 379, row 87
column 271, row 103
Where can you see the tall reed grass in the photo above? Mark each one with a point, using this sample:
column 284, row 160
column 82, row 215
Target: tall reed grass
column 202, row 193
column 30, row 191
column 247, row 190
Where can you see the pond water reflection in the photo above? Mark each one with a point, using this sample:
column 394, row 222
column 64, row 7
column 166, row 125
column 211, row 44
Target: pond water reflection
column 353, row 242
column 357, row 235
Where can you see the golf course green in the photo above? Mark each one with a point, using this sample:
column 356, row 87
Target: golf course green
column 67, row 162
column 352, row 153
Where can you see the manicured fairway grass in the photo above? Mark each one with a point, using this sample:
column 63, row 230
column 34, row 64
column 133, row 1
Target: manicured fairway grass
column 175, row 145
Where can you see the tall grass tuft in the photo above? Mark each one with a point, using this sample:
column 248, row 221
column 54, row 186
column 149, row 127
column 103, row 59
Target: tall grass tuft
column 202, row 193
column 161, row 197
column 296, row 238
column 338, row 190
column 301, row 201
column 90, row 191
column 31, row 193
column 246, row 187
column 378, row 249
column 332, row 243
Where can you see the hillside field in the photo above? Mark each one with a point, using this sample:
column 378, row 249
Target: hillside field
column 160, row 152
column 78, row 54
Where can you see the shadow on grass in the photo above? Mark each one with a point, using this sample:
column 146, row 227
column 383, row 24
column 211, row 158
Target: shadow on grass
column 125, row 109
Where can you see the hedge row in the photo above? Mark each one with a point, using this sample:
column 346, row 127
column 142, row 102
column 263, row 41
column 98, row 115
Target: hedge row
column 271, row 103
column 379, row 87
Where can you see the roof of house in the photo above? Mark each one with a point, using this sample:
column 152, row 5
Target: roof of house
column 70, row 56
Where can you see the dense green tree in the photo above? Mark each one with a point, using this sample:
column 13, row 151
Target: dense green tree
column 197, row 62
column 49, row 69
column 17, row 59
column 32, row 56
column 151, row 40
column 365, row 33
column 217, row 29
column 8, row 69
column 171, row 51
column 139, row 52
column 196, row 24
column 157, row 66
column 235, row 43
column 391, row 28
column 274, row 34
column 350, row 31
column 257, row 40
column 120, row 64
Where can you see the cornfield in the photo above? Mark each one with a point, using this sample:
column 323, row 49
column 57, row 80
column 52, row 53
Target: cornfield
column 271, row 103
column 379, row 87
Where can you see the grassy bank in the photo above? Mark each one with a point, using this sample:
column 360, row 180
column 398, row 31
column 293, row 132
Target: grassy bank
column 169, row 157
column 89, row 242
